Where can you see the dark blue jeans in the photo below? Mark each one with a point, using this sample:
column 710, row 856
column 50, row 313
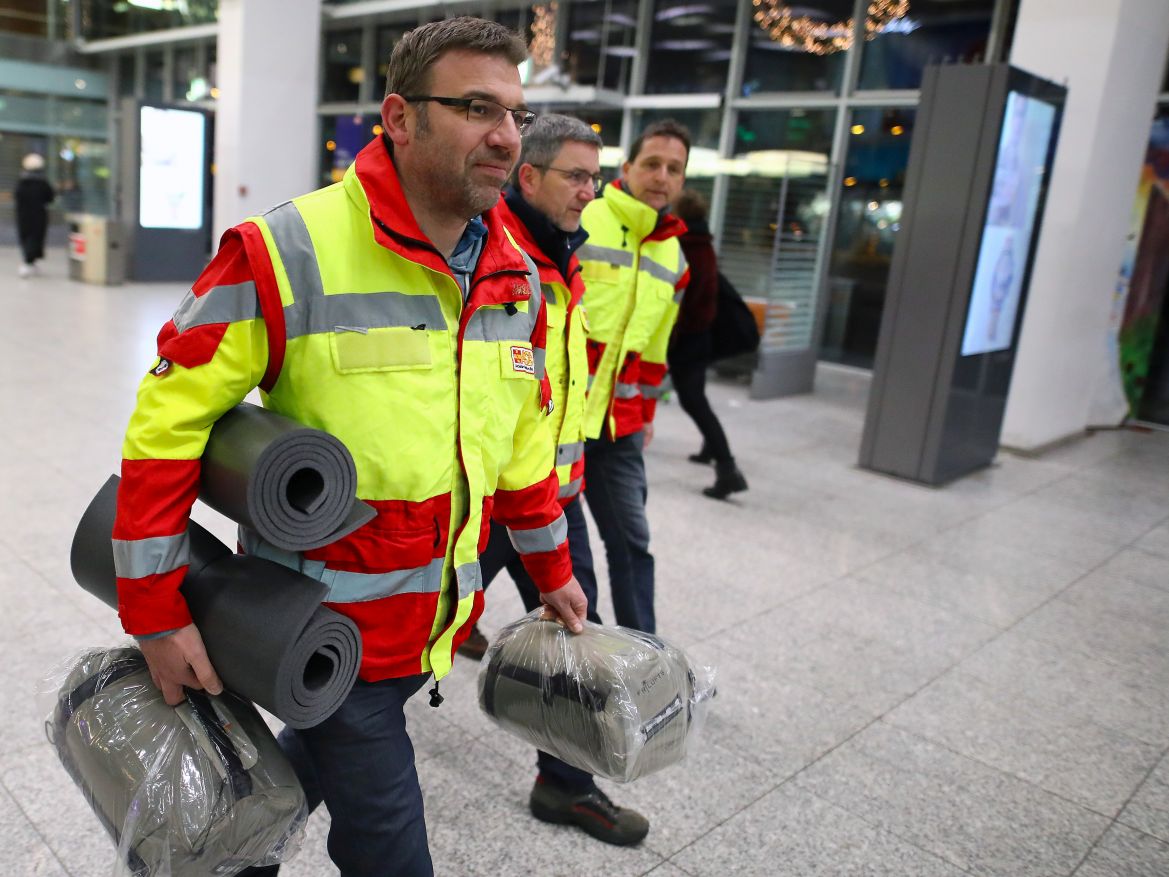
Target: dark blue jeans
column 360, row 762
column 616, row 490
column 500, row 555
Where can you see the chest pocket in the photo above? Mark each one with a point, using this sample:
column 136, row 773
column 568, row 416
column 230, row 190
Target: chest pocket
column 398, row 348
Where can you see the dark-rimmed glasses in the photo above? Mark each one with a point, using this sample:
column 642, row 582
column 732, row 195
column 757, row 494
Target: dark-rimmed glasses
column 578, row 177
column 486, row 112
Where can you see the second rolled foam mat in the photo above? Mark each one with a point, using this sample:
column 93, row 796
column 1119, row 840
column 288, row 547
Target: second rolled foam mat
column 266, row 632
column 295, row 486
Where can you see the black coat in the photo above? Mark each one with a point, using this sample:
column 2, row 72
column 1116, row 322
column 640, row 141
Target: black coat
column 33, row 196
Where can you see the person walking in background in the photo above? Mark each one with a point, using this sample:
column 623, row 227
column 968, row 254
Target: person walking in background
column 33, row 196
column 690, row 348
column 634, row 274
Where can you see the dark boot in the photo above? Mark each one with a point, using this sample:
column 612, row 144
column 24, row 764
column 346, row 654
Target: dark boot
column 728, row 479
column 590, row 810
column 475, row 646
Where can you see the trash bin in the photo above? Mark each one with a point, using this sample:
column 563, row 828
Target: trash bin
column 97, row 251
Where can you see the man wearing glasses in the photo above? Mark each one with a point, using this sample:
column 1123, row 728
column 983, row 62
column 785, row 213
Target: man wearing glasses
column 393, row 311
column 558, row 174
column 634, row 274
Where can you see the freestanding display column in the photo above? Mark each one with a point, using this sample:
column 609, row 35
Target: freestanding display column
column 266, row 128
column 1111, row 56
column 974, row 194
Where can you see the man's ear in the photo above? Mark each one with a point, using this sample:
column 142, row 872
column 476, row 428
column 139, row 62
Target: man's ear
column 394, row 117
column 527, row 178
column 625, row 166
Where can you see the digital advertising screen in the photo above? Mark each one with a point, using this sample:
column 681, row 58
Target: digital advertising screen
column 1020, row 169
column 172, row 168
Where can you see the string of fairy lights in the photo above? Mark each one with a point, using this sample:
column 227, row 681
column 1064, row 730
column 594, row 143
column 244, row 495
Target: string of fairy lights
column 807, row 34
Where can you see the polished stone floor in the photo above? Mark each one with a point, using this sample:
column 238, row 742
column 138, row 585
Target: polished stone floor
column 912, row 682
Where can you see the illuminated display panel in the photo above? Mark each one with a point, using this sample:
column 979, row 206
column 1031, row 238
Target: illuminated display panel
column 172, row 171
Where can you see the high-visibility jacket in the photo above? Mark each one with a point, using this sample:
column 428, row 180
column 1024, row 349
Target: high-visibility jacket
column 567, row 359
column 634, row 274
column 349, row 320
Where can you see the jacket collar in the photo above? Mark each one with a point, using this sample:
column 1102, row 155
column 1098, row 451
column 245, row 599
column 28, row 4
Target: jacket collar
column 642, row 221
column 552, row 242
column 550, row 272
column 373, row 185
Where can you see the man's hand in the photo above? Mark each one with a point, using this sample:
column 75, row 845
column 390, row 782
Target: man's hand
column 568, row 603
column 180, row 659
column 648, row 429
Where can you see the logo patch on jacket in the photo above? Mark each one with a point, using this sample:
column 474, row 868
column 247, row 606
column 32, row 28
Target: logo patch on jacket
column 161, row 368
column 522, row 360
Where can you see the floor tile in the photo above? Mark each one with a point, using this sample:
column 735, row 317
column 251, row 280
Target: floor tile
column 1123, row 851
column 1148, row 810
column 1031, row 736
column 975, row 817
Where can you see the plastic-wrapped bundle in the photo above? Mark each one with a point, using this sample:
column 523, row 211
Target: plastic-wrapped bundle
column 195, row 790
column 615, row 702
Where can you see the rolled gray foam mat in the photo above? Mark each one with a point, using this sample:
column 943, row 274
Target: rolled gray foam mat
column 295, row 486
column 266, row 632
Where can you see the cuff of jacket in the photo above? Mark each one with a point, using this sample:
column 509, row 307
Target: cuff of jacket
column 550, row 570
column 153, row 604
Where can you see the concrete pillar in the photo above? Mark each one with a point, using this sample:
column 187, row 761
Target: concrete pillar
column 266, row 146
column 1111, row 55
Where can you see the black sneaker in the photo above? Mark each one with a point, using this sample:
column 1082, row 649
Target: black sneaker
column 590, row 810
column 703, row 457
column 475, row 646
column 727, row 480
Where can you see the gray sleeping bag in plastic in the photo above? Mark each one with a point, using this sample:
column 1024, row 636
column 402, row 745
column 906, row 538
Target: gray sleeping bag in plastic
column 188, row 791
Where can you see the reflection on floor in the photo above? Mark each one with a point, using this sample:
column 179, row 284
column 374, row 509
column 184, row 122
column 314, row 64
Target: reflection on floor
column 972, row 680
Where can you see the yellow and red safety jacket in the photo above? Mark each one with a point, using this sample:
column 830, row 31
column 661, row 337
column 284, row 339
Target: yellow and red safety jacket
column 349, row 320
column 634, row 275
column 567, row 360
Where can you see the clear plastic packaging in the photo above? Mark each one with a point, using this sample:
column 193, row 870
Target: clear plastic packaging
column 616, row 702
column 195, row 790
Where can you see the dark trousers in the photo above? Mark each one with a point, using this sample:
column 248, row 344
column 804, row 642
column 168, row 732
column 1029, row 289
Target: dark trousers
column 360, row 763
column 500, row 555
column 689, row 359
column 616, row 490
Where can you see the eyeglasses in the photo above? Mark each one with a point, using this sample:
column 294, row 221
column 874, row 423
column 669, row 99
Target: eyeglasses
column 480, row 110
column 579, row 178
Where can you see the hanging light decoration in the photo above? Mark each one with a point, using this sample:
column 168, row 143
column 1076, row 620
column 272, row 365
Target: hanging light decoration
column 803, row 33
column 543, row 34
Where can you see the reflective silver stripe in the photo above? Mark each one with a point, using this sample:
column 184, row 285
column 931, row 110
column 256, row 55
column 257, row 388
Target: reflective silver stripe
column 626, row 391
column 678, row 296
column 609, row 255
column 137, row 558
column 369, row 310
column 651, row 391
column 470, row 578
column 549, row 293
column 658, row 270
column 220, row 304
column 540, row 539
column 572, row 488
column 366, row 310
column 496, row 324
column 298, row 257
column 592, row 378
column 541, row 356
column 359, row 587
column 569, row 453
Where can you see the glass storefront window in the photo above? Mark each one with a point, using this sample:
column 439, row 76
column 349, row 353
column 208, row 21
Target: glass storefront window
column 342, row 137
column 101, row 18
column 933, row 32
column 155, row 70
column 866, row 228
column 776, row 204
column 343, row 73
column 126, row 74
column 387, row 38
column 184, row 73
column 797, row 48
column 690, row 49
column 600, row 47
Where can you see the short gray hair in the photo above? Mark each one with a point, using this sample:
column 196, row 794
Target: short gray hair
column 408, row 71
column 547, row 135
